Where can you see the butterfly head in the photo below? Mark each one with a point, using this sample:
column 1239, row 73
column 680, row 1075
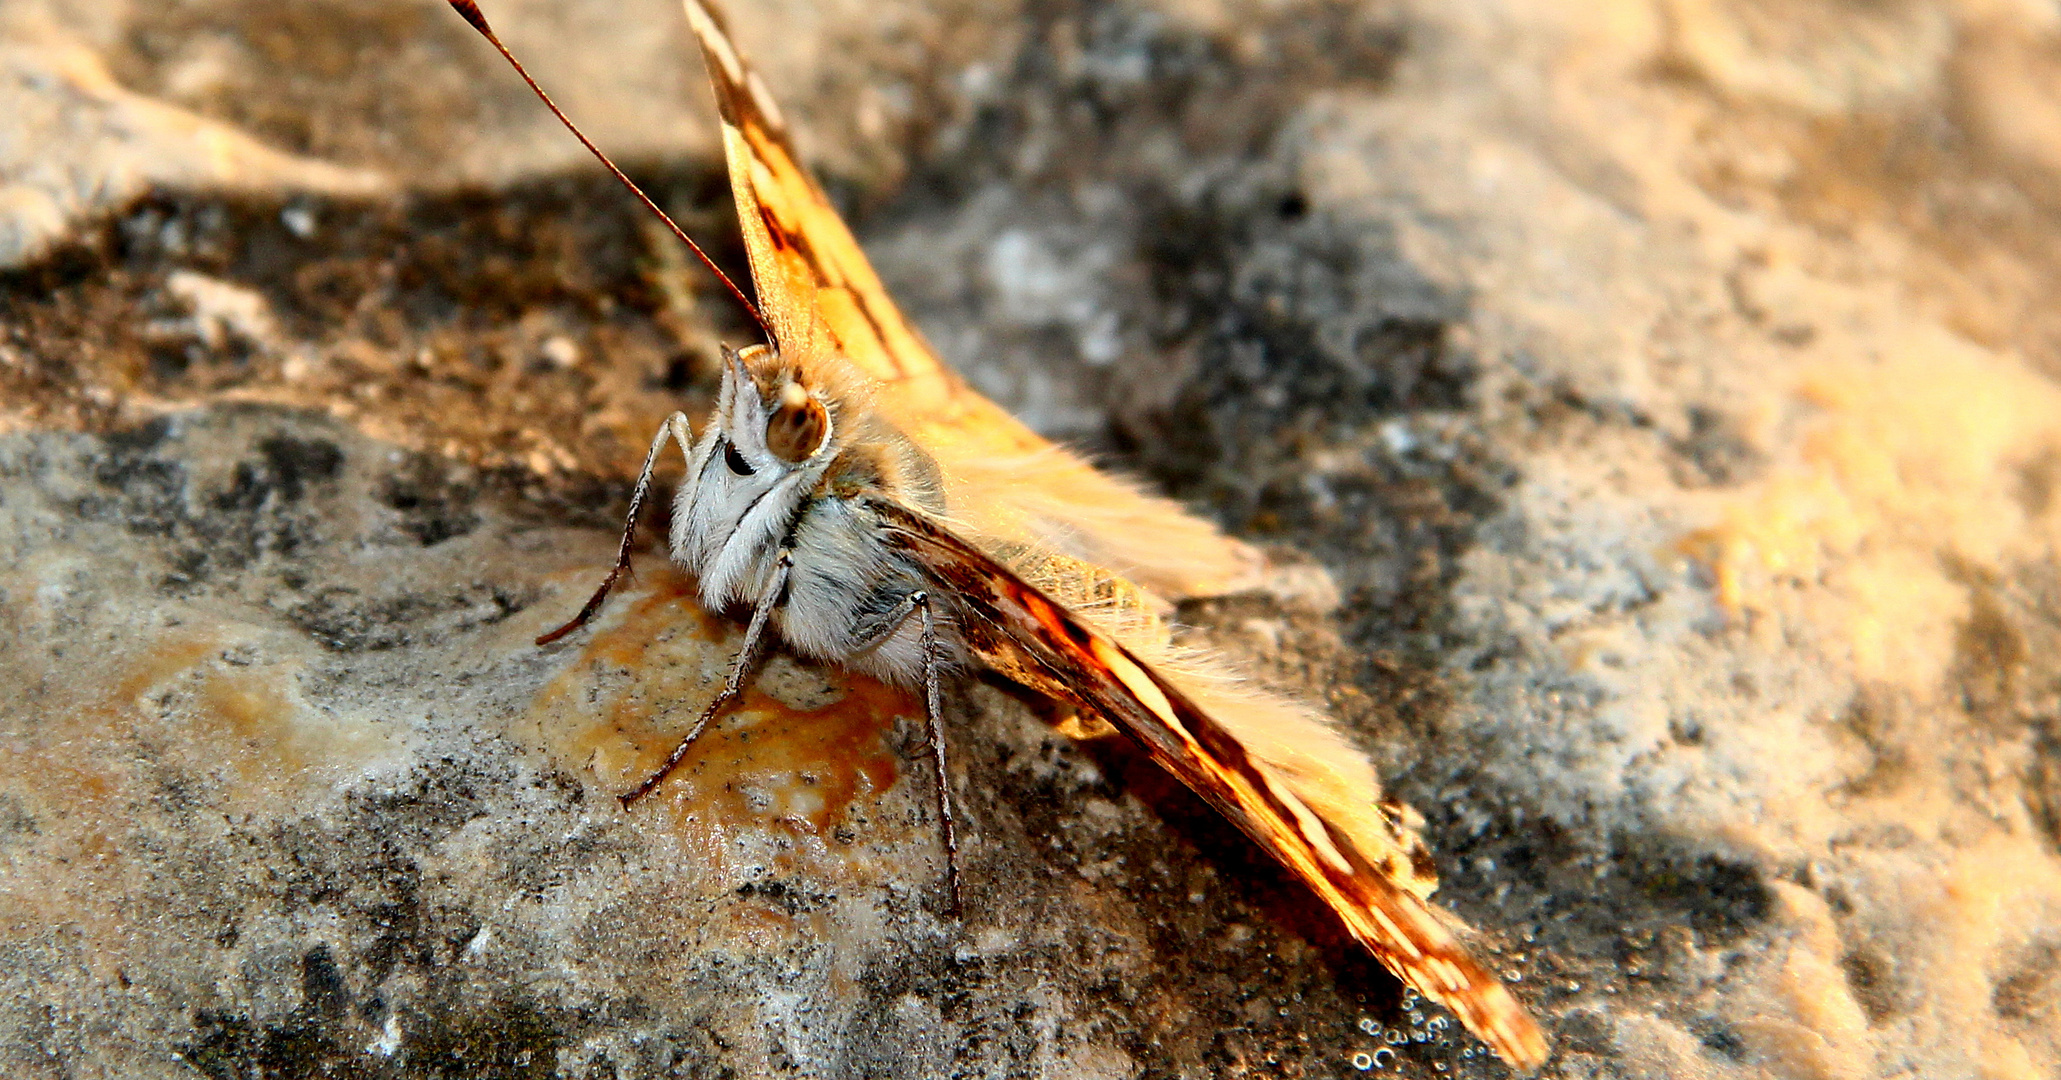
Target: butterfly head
column 769, row 415
column 757, row 460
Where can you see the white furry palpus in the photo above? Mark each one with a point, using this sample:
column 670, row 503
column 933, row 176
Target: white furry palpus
column 873, row 512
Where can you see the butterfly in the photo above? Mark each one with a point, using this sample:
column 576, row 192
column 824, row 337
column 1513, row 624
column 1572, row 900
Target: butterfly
column 871, row 510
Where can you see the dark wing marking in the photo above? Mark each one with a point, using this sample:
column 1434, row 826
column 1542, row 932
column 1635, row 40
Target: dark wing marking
column 1028, row 638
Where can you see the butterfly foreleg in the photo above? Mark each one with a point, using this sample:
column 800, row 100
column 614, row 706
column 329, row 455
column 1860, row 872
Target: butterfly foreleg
column 733, row 686
column 675, row 428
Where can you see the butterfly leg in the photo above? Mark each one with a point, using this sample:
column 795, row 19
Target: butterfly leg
column 919, row 603
column 676, row 428
column 733, row 687
column 933, row 706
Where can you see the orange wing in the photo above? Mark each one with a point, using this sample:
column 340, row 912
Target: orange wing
column 1025, row 636
column 818, row 292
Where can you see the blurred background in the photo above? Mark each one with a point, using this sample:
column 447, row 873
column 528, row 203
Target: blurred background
column 1667, row 389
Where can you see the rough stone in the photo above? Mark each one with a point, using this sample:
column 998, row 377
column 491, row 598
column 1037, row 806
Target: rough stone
column 1666, row 386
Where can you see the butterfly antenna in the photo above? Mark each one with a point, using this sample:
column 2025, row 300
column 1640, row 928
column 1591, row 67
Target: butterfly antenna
column 472, row 15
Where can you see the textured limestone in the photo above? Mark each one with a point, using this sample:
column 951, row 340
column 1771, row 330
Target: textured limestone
column 1666, row 386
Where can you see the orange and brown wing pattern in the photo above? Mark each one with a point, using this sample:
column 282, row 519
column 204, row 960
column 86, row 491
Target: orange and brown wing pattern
column 1025, row 636
column 818, row 291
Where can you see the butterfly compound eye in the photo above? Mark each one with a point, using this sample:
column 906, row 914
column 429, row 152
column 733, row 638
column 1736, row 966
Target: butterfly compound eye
column 798, row 427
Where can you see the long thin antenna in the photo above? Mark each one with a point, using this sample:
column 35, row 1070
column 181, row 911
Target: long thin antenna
column 472, row 15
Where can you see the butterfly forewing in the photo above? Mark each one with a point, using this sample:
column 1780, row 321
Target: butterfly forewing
column 811, row 274
column 818, row 291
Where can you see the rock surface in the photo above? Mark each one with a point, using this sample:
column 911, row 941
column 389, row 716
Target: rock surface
column 1667, row 386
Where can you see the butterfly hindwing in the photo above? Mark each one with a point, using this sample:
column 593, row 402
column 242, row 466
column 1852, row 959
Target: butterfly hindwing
column 1022, row 634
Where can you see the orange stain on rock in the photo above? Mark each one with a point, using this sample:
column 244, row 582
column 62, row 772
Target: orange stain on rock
column 64, row 761
column 797, row 767
column 89, row 770
column 169, row 703
column 168, row 658
column 255, row 719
